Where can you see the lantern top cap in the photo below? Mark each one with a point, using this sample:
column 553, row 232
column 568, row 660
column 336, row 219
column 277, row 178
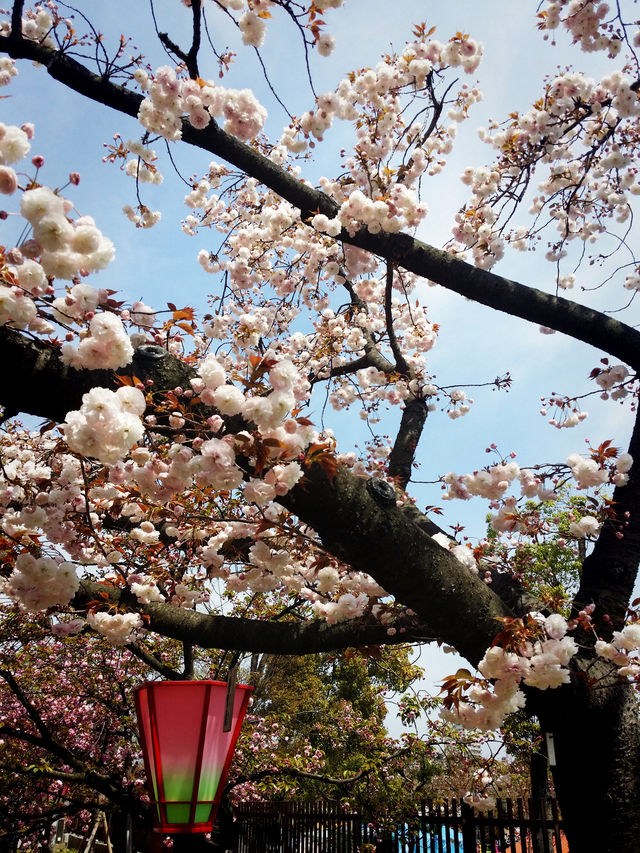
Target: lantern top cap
column 199, row 682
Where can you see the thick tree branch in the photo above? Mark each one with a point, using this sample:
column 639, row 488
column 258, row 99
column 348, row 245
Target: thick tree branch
column 609, row 572
column 34, row 715
column 16, row 16
column 401, row 364
column 192, row 56
column 363, row 527
column 248, row 635
column 403, row 453
column 96, row 780
column 40, row 384
column 81, row 777
column 187, row 654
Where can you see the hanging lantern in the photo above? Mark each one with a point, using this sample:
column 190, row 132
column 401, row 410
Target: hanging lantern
column 188, row 732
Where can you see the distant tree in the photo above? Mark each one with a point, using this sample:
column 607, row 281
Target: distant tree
column 69, row 739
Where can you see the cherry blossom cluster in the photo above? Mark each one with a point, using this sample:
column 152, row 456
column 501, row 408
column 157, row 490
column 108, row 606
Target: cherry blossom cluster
column 258, row 224
column 81, row 687
column 493, row 483
column 379, row 86
column 587, row 21
column 55, row 246
column 135, row 159
column 524, row 516
column 118, row 628
column 7, row 70
column 139, row 162
column 479, row 797
column 589, row 472
column 14, row 146
column 541, row 663
column 171, row 98
column 38, row 24
column 462, row 553
column 252, row 23
column 577, row 134
column 107, row 425
column 59, row 247
column 273, row 562
column 615, row 382
column 623, row 650
column 565, row 411
column 107, row 345
column 40, row 490
column 284, row 296
column 37, row 583
column 399, row 209
column 262, row 278
column 65, row 248
column 539, row 660
column 378, row 194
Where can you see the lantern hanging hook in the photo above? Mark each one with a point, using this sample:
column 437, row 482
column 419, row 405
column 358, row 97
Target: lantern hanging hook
column 231, row 692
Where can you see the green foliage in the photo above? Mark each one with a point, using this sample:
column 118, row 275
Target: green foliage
column 546, row 557
column 323, row 717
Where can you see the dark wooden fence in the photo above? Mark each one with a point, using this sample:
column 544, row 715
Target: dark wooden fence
column 451, row 827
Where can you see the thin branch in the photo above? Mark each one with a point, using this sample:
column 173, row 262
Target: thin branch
column 16, row 17
column 246, row 635
column 401, row 363
column 192, row 56
column 26, row 703
column 305, row 774
column 270, row 84
column 187, row 650
column 153, row 663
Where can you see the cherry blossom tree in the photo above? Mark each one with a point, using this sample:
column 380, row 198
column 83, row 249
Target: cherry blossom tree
column 69, row 744
column 182, row 466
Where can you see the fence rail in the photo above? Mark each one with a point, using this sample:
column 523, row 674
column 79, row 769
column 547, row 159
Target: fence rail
column 450, row 827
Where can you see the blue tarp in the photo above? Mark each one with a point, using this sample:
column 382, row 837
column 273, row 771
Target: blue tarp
column 419, row 842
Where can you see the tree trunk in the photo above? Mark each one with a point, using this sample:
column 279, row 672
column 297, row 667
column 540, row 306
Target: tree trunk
column 539, row 775
column 596, row 729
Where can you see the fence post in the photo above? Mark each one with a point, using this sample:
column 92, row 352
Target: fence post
column 538, row 814
column 468, row 828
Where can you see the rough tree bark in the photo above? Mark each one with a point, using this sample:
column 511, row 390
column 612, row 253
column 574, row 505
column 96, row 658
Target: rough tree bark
column 596, row 729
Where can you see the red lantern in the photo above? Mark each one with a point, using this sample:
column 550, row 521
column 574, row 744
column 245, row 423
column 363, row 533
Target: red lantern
column 186, row 751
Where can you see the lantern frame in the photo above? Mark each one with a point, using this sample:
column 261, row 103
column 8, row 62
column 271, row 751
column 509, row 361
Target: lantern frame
column 180, row 763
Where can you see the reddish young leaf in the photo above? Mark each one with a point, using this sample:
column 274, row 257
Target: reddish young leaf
column 183, row 314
